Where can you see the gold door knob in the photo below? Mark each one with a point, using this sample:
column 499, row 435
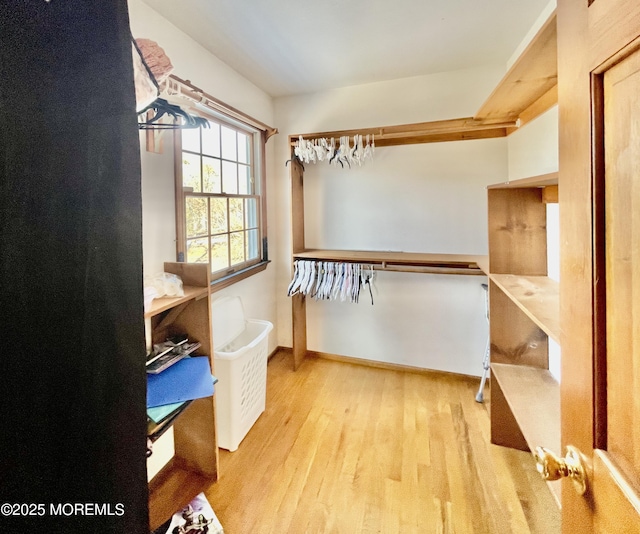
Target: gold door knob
column 553, row 468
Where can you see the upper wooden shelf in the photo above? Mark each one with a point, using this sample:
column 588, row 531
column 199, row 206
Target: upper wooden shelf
column 533, row 395
column 529, row 87
column 405, row 261
column 537, row 296
column 423, row 132
column 542, row 180
column 547, row 182
column 165, row 303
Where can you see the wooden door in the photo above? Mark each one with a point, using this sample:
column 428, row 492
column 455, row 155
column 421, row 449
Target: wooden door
column 599, row 103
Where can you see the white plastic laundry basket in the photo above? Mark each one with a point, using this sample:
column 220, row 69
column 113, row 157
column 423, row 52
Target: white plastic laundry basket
column 240, row 356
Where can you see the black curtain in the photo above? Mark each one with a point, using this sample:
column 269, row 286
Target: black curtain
column 72, row 381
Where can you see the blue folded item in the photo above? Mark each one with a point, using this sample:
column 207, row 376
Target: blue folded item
column 187, row 379
column 158, row 413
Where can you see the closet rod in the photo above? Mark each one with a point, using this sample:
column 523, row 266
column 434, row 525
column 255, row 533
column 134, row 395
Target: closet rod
column 431, row 269
column 185, row 88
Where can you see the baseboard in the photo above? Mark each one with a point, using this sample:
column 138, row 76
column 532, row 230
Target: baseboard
column 286, row 350
column 379, row 365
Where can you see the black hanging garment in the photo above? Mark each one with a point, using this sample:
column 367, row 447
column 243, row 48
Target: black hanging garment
column 72, row 380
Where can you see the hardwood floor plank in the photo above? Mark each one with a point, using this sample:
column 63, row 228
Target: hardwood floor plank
column 349, row 449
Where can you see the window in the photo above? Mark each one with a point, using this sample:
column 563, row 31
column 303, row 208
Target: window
column 220, row 198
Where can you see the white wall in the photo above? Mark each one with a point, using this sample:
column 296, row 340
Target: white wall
column 194, row 63
column 423, row 198
column 533, row 149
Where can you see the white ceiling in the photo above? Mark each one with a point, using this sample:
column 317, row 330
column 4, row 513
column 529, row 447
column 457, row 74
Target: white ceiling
column 299, row 46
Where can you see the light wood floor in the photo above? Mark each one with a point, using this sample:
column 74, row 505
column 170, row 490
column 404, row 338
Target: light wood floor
column 343, row 448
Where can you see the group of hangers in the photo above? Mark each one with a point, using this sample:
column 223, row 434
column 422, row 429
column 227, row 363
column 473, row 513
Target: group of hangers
column 162, row 108
column 341, row 153
column 330, row 280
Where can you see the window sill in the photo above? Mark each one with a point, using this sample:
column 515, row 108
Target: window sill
column 230, row 279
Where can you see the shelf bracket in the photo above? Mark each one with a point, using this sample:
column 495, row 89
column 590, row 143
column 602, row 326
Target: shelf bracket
column 168, row 319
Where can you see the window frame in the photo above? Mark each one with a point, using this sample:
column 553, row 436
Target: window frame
column 259, row 138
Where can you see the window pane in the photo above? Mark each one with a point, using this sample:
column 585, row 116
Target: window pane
column 191, row 171
column 220, row 190
column 229, row 143
column 236, row 214
column 197, row 251
column 245, row 185
column 237, row 248
column 229, row 178
column 243, row 148
column 251, row 213
column 211, row 140
column 219, row 221
column 191, row 139
column 252, row 245
column 197, row 216
column 219, row 252
column 211, row 180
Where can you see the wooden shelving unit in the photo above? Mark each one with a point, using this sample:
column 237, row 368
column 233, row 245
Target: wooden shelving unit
column 524, row 302
column 196, row 448
column 524, row 313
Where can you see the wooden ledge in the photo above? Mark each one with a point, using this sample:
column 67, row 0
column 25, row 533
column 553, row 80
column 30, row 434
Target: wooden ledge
column 423, row 132
column 161, row 304
column 533, row 396
column 527, row 89
column 542, row 180
column 537, row 296
column 401, row 261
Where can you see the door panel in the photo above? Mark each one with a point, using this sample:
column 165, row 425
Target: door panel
column 616, row 507
column 622, row 260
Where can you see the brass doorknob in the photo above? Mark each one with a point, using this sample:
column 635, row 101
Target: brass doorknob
column 553, row 468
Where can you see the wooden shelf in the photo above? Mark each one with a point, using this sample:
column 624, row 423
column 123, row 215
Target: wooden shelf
column 542, row 180
column 533, row 395
column 171, row 490
column 165, row 303
column 537, row 296
column 529, row 88
column 403, row 261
